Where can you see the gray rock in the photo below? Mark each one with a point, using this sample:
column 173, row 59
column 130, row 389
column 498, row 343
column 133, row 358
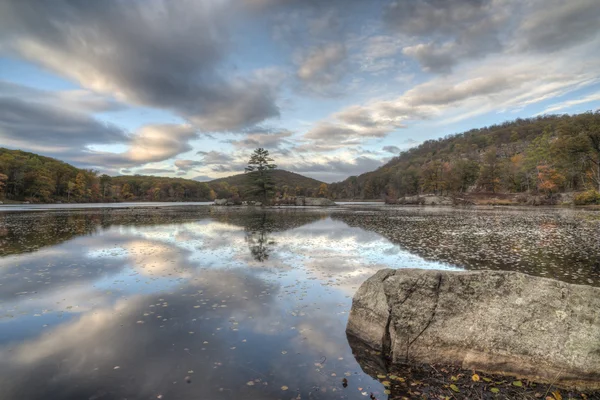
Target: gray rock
column 493, row 321
column 427, row 200
column 220, row 202
column 258, row 203
column 318, row 201
column 299, row 201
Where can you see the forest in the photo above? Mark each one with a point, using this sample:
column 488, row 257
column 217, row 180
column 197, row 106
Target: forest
column 544, row 155
column 31, row 177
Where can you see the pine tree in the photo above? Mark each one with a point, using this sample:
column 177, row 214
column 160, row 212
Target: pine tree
column 259, row 172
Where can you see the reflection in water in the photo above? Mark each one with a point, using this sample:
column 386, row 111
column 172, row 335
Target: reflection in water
column 259, row 239
column 188, row 303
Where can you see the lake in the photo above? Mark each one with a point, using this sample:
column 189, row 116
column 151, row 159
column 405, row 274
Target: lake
column 232, row 303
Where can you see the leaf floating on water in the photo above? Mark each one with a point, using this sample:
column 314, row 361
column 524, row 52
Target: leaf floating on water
column 284, row 387
column 557, row 395
column 250, row 383
column 454, row 388
column 475, row 378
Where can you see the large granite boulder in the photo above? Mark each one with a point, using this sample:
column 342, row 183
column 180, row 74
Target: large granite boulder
column 493, row 321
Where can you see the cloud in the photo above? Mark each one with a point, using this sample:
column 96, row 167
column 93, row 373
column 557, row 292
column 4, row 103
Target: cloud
column 334, row 168
column 161, row 54
column 43, row 127
column 151, row 171
column 186, row 165
column 476, row 90
column 392, row 149
column 554, row 25
column 327, row 133
column 378, row 53
column 447, row 31
column 322, row 67
column 570, row 103
column 74, row 100
column 152, row 143
column 214, row 157
column 271, row 140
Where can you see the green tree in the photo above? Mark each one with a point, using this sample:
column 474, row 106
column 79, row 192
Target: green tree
column 126, row 191
column 490, row 173
column 322, row 190
column 70, row 189
column 259, row 167
column 105, row 183
column 80, row 186
column 3, row 179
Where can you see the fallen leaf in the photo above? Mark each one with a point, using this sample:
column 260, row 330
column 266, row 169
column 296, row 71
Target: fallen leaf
column 557, row 395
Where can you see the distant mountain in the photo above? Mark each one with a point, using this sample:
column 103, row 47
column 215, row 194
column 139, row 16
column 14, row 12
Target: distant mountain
column 543, row 155
column 285, row 182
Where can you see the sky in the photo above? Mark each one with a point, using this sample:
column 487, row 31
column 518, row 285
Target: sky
column 331, row 88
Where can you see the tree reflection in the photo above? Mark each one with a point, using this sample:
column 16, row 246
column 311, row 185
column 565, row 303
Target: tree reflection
column 258, row 237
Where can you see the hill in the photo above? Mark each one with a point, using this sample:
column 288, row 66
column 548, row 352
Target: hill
column 35, row 178
column 543, row 156
column 285, row 182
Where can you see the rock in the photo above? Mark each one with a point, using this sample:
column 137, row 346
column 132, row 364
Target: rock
column 244, row 203
column 427, row 200
column 229, row 203
column 26, row 202
column 1, row 202
column 299, row 201
column 258, row 203
column 318, row 201
column 493, row 321
column 220, row 202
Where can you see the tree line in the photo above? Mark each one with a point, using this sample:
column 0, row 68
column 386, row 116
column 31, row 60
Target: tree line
column 544, row 155
column 35, row 178
column 31, row 177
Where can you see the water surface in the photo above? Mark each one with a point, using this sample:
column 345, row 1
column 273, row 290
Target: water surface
column 226, row 303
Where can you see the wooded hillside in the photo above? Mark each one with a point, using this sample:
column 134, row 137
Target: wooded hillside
column 285, row 183
column 543, row 155
column 35, row 178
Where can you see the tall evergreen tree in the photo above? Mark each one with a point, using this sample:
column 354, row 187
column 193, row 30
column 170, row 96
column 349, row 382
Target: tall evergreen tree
column 259, row 167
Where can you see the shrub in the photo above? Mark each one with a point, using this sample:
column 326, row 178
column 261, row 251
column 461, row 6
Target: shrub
column 589, row 197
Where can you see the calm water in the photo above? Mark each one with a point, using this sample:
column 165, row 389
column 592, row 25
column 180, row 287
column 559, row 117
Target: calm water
column 221, row 303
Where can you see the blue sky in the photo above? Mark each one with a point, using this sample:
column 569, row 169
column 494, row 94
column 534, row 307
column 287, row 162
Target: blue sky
column 331, row 88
